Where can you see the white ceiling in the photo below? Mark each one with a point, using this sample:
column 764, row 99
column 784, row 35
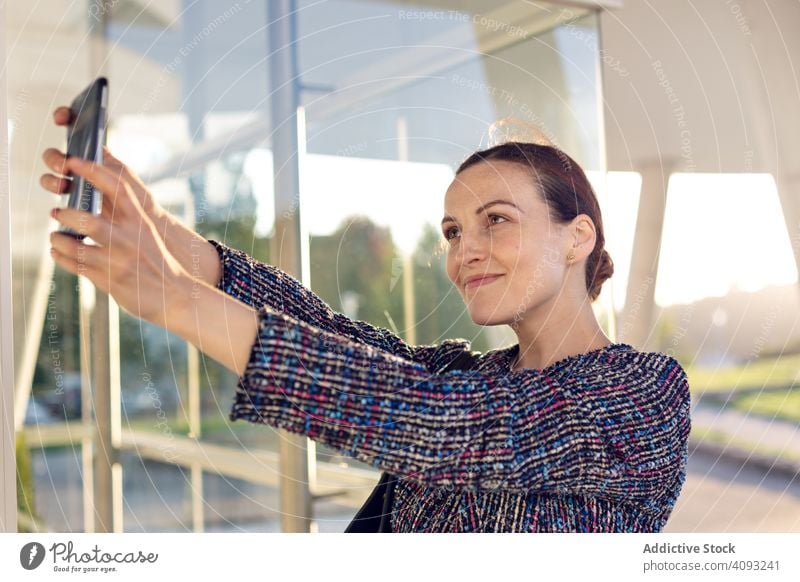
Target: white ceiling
column 712, row 85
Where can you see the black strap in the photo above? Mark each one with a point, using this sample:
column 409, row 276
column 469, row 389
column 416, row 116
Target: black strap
column 369, row 518
column 375, row 514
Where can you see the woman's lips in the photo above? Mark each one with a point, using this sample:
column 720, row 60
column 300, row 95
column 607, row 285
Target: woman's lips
column 479, row 282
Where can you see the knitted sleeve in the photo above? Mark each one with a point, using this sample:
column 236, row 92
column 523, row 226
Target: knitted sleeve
column 255, row 284
column 463, row 429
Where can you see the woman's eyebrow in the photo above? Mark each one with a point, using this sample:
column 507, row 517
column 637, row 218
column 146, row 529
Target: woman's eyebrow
column 484, row 207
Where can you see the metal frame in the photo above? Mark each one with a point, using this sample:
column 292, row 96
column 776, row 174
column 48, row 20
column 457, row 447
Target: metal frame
column 608, row 298
column 350, row 484
column 295, row 497
column 105, row 350
column 194, row 413
column 8, row 459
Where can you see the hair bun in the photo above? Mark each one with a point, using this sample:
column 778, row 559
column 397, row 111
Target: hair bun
column 603, row 270
column 510, row 129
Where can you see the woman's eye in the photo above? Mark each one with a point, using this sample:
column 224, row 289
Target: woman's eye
column 447, row 233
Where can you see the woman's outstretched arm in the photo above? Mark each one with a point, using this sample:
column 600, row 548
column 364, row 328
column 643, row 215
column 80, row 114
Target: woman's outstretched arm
column 217, row 324
column 522, row 431
column 256, row 283
column 197, row 255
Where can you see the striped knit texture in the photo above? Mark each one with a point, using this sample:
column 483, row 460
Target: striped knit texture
column 595, row 442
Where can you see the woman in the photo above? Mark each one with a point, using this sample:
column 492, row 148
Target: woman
column 565, row 431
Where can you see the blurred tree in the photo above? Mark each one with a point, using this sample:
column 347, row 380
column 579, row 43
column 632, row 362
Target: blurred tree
column 362, row 257
column 441, row 312
column 60, row 336
column 357, row 257
column 27, row 521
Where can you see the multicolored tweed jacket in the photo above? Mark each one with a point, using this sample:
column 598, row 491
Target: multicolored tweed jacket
column 595, row 442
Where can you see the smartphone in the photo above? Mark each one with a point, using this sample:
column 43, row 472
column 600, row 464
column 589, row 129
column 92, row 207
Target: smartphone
column 86, row 136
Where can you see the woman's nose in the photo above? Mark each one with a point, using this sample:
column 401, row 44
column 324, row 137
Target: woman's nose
column 474, row 246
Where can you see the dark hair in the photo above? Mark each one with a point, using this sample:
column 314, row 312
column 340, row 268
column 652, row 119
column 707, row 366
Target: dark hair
column 566, row 191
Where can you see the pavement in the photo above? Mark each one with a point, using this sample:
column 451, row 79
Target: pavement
column 748, row 483
column 762, row 442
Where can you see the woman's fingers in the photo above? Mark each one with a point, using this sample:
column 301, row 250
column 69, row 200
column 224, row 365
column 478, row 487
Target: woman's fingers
column 112, row 161
column 138, row 187
column 62, row 115
column 55, row 184
column 92, row 225
column 67, row 262
column 81, row 259
column 55, row 160
column 78, row 256
column 108, row 178
column 109, row 181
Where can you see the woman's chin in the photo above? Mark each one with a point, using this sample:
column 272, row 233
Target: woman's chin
column 487, row 318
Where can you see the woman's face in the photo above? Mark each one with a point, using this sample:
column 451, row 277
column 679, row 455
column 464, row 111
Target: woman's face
column 514, row 240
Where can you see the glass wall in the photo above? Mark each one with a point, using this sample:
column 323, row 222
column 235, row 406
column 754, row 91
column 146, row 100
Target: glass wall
column 394, row 96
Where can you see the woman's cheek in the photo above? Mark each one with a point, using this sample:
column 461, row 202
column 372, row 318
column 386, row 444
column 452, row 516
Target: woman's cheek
column 451, row 267
column 510, row 239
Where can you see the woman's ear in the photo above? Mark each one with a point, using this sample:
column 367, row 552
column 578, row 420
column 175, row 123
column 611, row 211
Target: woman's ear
column 584, row 236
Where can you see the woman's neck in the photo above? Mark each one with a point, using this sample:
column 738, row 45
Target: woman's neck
column 541, row 346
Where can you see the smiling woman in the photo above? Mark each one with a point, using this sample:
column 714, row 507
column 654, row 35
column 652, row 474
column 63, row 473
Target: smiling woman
column 564, row 431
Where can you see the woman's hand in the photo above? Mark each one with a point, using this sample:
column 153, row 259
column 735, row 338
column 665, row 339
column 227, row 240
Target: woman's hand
column 59, row 185
column 193, row 251
column 142, row 258
column 130, row 261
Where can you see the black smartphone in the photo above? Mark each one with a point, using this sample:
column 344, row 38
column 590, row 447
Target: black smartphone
column 86, row 136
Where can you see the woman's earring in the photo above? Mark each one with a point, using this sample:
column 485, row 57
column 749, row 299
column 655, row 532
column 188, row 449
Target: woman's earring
column 570, row 257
